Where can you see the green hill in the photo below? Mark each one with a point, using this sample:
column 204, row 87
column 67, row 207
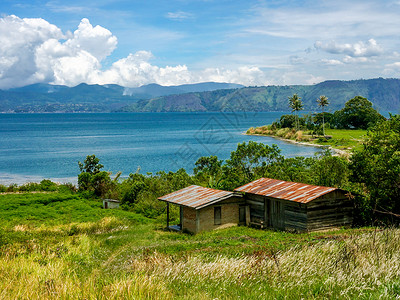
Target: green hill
column 383, row 93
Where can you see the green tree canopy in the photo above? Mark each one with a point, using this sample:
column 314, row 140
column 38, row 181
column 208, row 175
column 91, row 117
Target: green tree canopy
column 93, row 180
column 357, row 113
column 377, row 165
column 90, row 164
column 251, row 160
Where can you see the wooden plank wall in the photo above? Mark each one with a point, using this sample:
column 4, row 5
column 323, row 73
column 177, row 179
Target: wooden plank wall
column 331, row 210
column 256, row 206
column 295, row 216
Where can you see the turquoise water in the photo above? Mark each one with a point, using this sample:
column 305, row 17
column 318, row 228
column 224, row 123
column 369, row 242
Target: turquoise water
column 37, row 146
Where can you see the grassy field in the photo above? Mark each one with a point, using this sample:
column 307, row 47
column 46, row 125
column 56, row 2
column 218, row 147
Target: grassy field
column 60, row 246
column 344, row 139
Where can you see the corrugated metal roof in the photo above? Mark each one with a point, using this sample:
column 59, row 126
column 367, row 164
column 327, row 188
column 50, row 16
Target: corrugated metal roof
column 293, row 191
column 196, row 196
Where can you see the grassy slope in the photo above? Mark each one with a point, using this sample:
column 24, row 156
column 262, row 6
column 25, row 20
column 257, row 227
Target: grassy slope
column 345, row 139
column 61, row 246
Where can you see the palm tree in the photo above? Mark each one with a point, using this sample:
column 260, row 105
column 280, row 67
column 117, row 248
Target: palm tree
column 296, row 105
column 322, row 102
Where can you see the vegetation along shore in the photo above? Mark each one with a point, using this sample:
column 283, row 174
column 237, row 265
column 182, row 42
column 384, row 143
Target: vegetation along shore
column 341, row 131
column 60, row 243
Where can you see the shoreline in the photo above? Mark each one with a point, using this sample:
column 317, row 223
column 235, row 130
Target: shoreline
column 338, row 152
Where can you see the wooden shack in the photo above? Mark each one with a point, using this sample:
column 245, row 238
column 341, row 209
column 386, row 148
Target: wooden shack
column 204, row 209
column 110, row 203
column 296, row 206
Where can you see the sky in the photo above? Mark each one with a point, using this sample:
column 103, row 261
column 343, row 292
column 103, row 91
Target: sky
column 132, row 43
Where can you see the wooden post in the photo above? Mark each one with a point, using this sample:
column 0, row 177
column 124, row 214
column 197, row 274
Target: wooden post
column 167, row 216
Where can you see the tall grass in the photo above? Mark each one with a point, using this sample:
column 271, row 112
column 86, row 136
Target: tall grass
column 363, row 266
column 105, row 254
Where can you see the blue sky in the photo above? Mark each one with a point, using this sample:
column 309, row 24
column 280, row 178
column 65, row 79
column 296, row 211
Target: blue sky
column 175, row 42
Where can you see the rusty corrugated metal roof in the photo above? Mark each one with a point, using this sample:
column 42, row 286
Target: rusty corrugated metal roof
column 293, row 191
column 196, row 196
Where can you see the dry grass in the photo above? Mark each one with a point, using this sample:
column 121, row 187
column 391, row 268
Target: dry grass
column 26, row 279
column 338, row 268
column 366, row 265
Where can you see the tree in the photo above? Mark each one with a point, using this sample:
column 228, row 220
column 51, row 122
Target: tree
column 209, row 168
column 377, row 165
column 330, row 170
column 91, row 164
column 358, row 113
column 93, row 180
column 250, row 161
column 322, row 102
column 296, row 105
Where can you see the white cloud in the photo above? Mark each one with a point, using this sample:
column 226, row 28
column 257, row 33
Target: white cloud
column 331, row 62
column 19, row 39
column 392, row 69
column 395, row 65
column 33, row 50
column 244, row 75
column 349, row 59
column 319, row 19
column 179, row 15
column 296, row 60
column 359, row 49
column 97, row 40
column 136, row 70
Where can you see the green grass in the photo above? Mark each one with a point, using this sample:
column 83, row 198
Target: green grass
column 34, row 209
column 344, row 139
column 348, row 139
column 56, row 246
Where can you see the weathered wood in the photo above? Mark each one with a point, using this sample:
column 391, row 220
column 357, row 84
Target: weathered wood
column 255, row 203
column 168, row 215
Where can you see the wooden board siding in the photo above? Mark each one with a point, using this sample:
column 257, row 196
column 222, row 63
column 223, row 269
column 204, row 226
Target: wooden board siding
column 277, row 214
column 328, row 211
column 331, row 210
column 295, row 216
column 257, row 211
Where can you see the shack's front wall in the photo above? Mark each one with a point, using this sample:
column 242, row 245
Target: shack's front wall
column 295, row 216
column 189, row 219
column 256, row 206
column 203, row 219
column 229, row 217
column 334, row 209
column 110, row 204
column 331, row 210
column 275, row 213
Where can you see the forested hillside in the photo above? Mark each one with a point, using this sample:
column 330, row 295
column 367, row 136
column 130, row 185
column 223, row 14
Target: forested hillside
column 211, row 96
column 90, row 98
column 383, row 93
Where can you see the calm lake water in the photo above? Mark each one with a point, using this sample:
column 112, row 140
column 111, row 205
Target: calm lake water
column 37, row 146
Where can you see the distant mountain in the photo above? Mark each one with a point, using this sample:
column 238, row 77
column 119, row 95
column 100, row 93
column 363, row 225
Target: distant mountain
column 155, row 90
column 90, row 98
column 209, row 96
column 383, row 93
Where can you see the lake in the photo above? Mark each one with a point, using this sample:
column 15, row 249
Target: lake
column 37, row 146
